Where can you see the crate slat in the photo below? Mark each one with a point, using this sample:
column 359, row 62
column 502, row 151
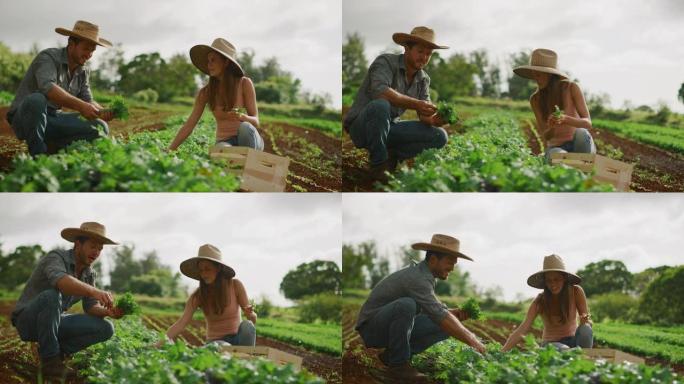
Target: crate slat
column 606, row 170
column 260, row 171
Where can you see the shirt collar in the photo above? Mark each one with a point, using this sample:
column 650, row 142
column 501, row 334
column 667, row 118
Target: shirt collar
column 423, row 267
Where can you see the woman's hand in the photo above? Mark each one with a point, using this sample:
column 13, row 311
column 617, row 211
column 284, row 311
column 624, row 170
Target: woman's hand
column 162, row 342
column 586, row 319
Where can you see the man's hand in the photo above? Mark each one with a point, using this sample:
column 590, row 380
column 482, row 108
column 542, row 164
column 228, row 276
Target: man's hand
column 460, row 314
column 115, row 313
column 105, row 298
column 437, row 121
column 425, row 108
column 106, row 115
column 89, row 111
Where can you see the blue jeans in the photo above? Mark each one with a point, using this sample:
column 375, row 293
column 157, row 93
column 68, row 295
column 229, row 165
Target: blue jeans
column 374, row 130
column 581, row 142
column 401, row 330
column 36, row 124
column 247, row 136
column 42, row 320
column 246, row 335
column 584, row 338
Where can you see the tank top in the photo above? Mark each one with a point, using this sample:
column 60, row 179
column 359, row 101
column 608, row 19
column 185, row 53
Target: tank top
column 565, row 132
column 226, row 323
column 224, row 128
column 554, row 330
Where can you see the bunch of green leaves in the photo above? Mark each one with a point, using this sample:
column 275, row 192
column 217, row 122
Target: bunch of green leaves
column 451, row 361
column 129, row 357
column 492, row 155
column 242, row 110
column 119, row 108
column 472, row 308
column 447, row 111
column 126, row 303
column 557, row 112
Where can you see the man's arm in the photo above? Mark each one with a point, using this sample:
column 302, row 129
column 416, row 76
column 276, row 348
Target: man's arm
column 69, row 285
column 425, row 109
column 61, row 97
column 453, row 327
column 100, row 311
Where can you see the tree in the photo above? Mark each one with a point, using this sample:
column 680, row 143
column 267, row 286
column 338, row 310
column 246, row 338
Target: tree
column 311, row 278
column 680, row 95
column 17, row 266
column 106, row 76
column 662, row 301
column 150, row 70
column 354, row 63
column 145, row 275
column 520, row 88
column 643, row 279
column 605, row 276
column 13, row 67
column 452, row 77
column 489, row 76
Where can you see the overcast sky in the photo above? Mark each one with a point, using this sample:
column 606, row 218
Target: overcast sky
column 262, row 236
column 508, row 235
column 630, row 49
column 304, row 35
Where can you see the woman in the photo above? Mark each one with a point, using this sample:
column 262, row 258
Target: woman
column 569, row 130
column 560, row 303
column 220, row 295
column 228, row 92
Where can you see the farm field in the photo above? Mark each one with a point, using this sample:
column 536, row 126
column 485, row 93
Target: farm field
column 452, row 361
column 309, row 138
column 134, row 362
column 479, row 153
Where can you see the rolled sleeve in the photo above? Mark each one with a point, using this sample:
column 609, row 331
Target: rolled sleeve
column 54, row 268
column 380, row 75
column 424, row 295
column 45, row 73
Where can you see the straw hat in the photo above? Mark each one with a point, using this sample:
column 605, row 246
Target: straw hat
column 423, row 35
column 190, row 266
column 85, row 30
column 90, row 230
column 443, row 244
column 541, row 60
column 198, row 54
column 552, row 263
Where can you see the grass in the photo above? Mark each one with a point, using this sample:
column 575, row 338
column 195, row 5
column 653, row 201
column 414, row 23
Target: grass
column 326, row 338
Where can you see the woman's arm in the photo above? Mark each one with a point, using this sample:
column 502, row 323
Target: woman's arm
column 243, row 301
column 515, row 337
column 584, row 120
column 582, row 306
column 249, row 96
column 189, row 126
column 178, row 327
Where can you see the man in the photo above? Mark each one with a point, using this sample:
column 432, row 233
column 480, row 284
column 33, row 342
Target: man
column 60, row 279
column 402, row 313
column 393, row 84
column 57, row 78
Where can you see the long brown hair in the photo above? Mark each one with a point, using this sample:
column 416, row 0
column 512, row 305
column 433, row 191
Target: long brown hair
column 551, row 95
column 543, row 301
column 214, row 297
column 231, row 79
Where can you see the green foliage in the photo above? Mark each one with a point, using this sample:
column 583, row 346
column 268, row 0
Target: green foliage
column 354, row 63
column 363, row 266
column 557, row 112
column 472, row 307
column 16, row 267
column 453, row 76
column 13, row 67
column 664, row 137
column 453, row 362
column 447, row 111
column 491, row 156
column 150, row 71
column 6, row 98
column 142, row 164
column 662, row 342
column 323, row 337
column 662, row 301
column 323, row 307
column 126, row 303
column 119, row 107
column 146, row 96
column 612, row 306
column 680, row 94
column 129, row 357
column 142, row 275
column 318, row 276
column 605, row 276
column 520, row 88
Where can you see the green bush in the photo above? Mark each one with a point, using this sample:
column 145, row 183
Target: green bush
column 323, row 307
column 612, row 306
column 148, row 95
column 662, row 301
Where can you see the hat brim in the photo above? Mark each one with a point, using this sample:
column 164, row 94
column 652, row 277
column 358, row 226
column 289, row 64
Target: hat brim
column 100, row 41
column 71, row 234
column 198, row 56
column 437, row 248
column 537, row 279
column 190, row 268
column 526, row 71
column 403, row 38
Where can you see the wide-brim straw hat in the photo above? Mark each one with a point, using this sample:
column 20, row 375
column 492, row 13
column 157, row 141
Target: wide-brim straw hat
column 423, row 35
column 87, row 31
column 442, row 244
column 91, row 230
column 552, row 263
column 541, row 60
column 190, row 267
column 198, row 54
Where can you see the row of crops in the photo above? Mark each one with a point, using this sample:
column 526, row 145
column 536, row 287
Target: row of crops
column 129, row 357
column 492, row 155
column 325, row 338
column 664, row 137
column 453, row 362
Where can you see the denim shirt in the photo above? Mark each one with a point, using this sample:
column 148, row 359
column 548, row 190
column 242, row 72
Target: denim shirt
column 415, row 281
column 388, row 71
column 49, row 68
column 52, row 267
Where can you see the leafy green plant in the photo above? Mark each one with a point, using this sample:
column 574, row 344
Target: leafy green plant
column 127, row 304
column 557, row 112
column 447, row 111
column 119, row 108
column 472, row 308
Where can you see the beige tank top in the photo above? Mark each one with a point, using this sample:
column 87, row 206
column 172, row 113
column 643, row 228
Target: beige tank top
column 554, row 330
column 227, row 323
column 225, row 128
column 565, row 132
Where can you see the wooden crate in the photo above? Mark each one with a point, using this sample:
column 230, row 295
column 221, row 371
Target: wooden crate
column 612, row 355
column 607, row 170
column 260, row 171
column 276, row 355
